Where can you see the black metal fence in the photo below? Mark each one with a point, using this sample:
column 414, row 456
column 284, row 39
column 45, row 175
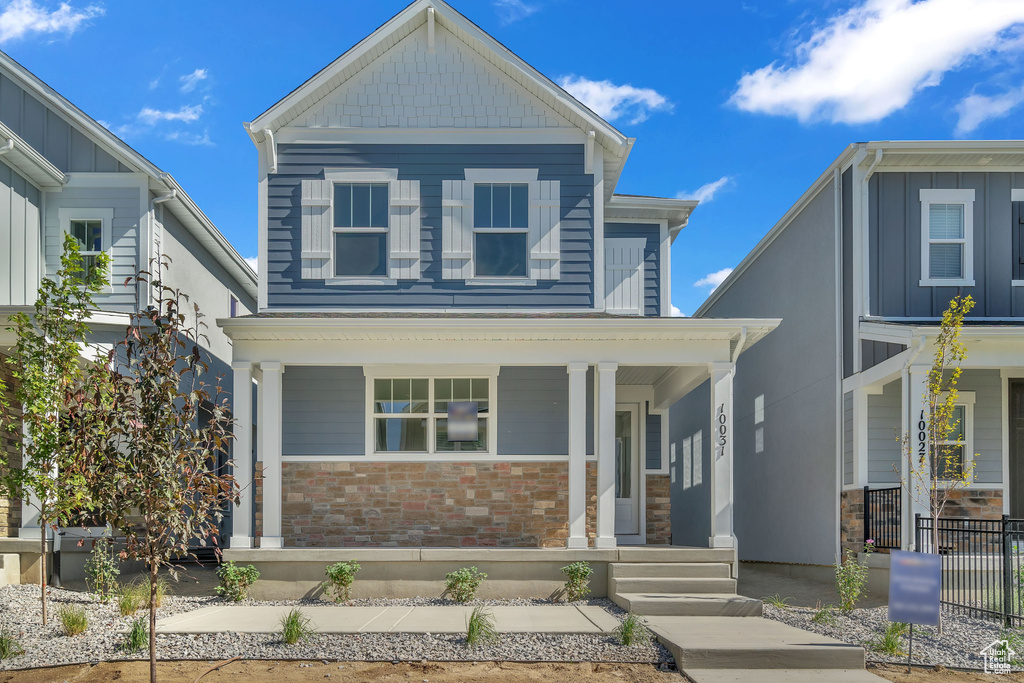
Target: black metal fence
column 882, row 517
column 982, row 564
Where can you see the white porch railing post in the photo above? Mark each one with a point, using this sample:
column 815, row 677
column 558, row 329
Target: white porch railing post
column 917, row 423
column 241, row 452
column 577, row 455
column 605, row 392
column 270, row 398
column 722, row 456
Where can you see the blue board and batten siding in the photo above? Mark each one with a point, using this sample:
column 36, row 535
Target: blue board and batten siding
column 895, row 245
column 652, row 259
column 430, row 165
column 20, row 239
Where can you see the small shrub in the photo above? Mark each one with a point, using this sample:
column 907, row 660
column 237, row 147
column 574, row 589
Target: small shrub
column 633, row 631
column 102, row 569
column 340, row 576
column 890, row 641
column 851, row 578
column 480, row 628
column 777, row 601
column 235, row 581
column 577, row 583
column 137, row 638
column 462, row 584
column 9, row 646
column 295, row 626
column 73, row 620
column 129, row 600
column 163, row 589
column 1015, row 641
column 824, row 615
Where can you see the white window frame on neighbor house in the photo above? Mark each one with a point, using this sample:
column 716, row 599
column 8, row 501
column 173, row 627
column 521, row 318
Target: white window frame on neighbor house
column 361, row 177
column 966, row 400
column 431, row 373
column 966, row 199
column 515, row 176
column 106, row 218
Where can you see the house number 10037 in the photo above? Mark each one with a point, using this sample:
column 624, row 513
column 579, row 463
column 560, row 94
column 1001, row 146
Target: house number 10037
column 722, row 429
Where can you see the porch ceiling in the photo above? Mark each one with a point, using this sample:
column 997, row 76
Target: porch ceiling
column 640, row 375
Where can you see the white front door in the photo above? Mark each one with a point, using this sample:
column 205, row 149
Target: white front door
column 627, row 470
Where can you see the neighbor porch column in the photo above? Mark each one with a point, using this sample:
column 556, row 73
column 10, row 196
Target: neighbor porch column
column 241, row 410
column 722, row 456
column 270, row 453
column 605, row 416
column 577, row 455
column 917, row 471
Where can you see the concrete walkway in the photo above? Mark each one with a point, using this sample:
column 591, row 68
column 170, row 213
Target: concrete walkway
column 433, row 619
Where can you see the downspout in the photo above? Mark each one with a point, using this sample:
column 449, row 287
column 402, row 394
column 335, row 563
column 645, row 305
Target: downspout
column 874, row 164
column 8, row 146
column 152, row 216
column 740, row 344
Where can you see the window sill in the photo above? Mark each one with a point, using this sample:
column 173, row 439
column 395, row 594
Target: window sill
column 499, row 282
column 947, row 283
column 361, row 282
column 1017, row 283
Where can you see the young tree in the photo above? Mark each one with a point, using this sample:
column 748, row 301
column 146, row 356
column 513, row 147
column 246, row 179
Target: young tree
column 153, row 433
column 46, row 366
column 941, row 468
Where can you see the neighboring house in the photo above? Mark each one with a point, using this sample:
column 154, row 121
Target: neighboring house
column 62, row 172
column 464, row 336
column 860, row 269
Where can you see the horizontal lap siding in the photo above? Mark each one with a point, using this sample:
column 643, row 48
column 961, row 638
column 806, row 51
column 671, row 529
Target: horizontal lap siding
column 652, row 259
column 430, row 164
column 895, row 244
column 847, row 438
column 19, row 239
column 988, row 423
column 653, row 440
column 884, row 425
column 323, row 411
column 533, row 411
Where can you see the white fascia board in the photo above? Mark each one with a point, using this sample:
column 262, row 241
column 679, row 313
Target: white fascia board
column 891, row 334
column 946, row 146
column 432, row 136
column 29, row 162
column 823, row 181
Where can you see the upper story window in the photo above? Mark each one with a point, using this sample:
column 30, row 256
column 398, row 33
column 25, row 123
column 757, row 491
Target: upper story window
column 947, row 238
column 500, row 229
column 91, row 229
column 360, row 229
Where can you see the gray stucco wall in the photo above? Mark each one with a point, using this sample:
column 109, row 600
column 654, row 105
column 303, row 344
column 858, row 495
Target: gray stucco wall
column 787, row 502
column 430, row 164
column 20, row 239
column 884, row 424
column 690, row 467
column 895, row 245
column 63, row 145
column 652, row 259
column 323, row 411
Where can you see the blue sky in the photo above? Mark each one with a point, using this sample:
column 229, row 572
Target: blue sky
column 742, row 104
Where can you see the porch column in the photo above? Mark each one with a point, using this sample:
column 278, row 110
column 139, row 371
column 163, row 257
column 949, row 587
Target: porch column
column 605, row 446
column 577, row 455
column 241, row 410
column 722, row 463
column 916, row 472
column 270, row 453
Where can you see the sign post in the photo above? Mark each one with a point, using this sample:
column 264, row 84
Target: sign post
column 915, row 588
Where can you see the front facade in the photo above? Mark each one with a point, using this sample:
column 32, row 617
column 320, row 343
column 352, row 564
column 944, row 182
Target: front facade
column 464, row 336
column 63, row 173
column 888, row 235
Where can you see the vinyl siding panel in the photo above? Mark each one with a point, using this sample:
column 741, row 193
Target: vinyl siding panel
column 894, row 222
column 874, row 352
column 846, row 217
column 884, row 424
column 652, row 259
column 848, row 439
column 653, row 441
column 323, row 411
column 533, row 411
column 988, row 423
column 430, row 165
column 20, row 239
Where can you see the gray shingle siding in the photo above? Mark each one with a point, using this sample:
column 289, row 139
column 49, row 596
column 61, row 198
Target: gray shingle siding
column 652, row 259
column 430, row 164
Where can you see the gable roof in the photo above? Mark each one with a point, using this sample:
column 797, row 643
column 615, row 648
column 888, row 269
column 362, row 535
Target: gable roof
column 183, row 207
column 331, row 77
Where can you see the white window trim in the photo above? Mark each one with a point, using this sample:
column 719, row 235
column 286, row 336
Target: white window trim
column 1017, row 195
column 966, row 399
column 106, row 217
column 499, row 175
column 430, row 373
column 966, row 198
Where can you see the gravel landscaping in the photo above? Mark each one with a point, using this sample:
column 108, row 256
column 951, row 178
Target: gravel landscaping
column 20, row 614
column 962, row 637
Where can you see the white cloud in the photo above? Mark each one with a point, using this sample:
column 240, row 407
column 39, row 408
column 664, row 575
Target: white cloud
column 676, row 313
column 188, row 138
column 511, row 11
column 19, row 18
column 254, row 263
column 190, row 81
column 975, row 110
column 187, row 114
column 869, row 61
column 707, row 191
column 611, row 102
column 713, row 280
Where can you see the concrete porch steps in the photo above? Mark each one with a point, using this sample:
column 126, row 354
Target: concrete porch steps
column 652, row 570
column 680, row 585
column 682, row 605
column 690, row 588
column 781, row 676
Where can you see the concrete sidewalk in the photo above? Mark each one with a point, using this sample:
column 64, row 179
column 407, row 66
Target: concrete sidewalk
column 341, row 619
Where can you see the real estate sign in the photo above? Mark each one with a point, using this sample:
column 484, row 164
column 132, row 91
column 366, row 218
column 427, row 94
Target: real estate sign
column 915, row 584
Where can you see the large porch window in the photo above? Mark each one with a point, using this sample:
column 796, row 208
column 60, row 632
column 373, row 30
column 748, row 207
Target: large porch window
column 431, row 415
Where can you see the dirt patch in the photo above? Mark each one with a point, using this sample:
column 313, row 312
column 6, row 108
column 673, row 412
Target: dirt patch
column 898, row 674
column 350, row 672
